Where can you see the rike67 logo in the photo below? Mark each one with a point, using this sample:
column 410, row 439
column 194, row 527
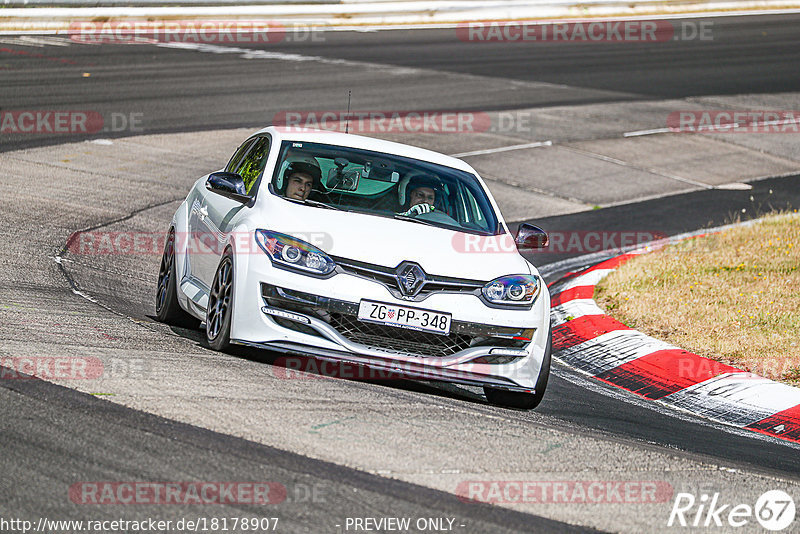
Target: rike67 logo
column 774, row 510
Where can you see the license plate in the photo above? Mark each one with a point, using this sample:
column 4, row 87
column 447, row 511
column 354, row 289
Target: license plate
column 404, row 317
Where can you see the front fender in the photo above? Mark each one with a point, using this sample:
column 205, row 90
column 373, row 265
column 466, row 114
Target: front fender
column 242, row 243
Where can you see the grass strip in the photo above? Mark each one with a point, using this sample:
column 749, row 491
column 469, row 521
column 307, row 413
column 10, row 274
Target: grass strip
column 733, row 296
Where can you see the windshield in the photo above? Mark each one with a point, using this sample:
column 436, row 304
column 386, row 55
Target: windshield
column 384, row 185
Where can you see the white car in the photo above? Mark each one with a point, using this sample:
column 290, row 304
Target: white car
column 358, row 250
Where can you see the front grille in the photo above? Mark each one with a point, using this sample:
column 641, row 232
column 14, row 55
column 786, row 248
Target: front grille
column 387, row 277
column 342, row 316
column 399, row 339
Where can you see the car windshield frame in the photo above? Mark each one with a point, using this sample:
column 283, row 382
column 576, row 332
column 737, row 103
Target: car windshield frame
column 461, row 198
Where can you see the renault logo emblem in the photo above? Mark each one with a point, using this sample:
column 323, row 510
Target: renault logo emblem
column 410, row 278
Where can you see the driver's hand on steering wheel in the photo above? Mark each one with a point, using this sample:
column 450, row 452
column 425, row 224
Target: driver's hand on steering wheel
column 419, row 209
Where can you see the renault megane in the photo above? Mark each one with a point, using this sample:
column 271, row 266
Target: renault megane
column 358, row 250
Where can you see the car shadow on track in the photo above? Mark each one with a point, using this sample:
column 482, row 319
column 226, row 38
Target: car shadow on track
column 296, row 366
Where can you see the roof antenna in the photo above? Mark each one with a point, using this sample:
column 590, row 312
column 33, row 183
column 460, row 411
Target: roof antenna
column 347, row 117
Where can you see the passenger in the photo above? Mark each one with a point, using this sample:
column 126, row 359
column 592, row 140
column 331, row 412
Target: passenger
column 300, row 178
column 421, row 192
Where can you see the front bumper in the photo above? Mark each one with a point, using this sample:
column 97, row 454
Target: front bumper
column 311, row 322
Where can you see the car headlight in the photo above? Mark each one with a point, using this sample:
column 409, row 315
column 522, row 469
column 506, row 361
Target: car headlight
column 286, row 251
column 514, row 290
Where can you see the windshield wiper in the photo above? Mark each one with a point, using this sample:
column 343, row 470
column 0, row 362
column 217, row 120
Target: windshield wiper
column 317, row 204
column 402, row 217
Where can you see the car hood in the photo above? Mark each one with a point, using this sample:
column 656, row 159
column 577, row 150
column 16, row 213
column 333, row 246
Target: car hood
column 388, row 242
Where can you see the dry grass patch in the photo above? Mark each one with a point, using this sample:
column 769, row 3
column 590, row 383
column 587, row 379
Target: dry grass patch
column 733, row 297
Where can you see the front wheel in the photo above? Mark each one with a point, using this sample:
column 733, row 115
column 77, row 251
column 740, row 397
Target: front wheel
column 167, row 308
column 220, row 305
column 518, row 399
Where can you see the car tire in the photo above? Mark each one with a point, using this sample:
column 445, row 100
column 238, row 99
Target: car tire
column 167, row 308
column 518, row 399
column 220, row 305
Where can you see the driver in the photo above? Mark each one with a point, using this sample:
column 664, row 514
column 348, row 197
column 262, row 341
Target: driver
column 421, row 191
column 300, row 178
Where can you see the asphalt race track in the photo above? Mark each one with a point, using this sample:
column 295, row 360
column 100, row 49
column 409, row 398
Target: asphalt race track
column 179, row 91
column 169, row 409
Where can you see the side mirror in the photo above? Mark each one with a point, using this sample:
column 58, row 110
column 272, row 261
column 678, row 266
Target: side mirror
column 228, row 184
column 530, row 237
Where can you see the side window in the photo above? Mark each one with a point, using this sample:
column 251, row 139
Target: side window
column 473, row 211
column 238, row 155
column 252, row 164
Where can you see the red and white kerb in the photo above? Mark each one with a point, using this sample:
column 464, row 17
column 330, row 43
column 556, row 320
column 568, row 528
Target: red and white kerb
column 585, row 338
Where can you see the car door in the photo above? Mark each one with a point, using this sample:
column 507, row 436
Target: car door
column 213, row 216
